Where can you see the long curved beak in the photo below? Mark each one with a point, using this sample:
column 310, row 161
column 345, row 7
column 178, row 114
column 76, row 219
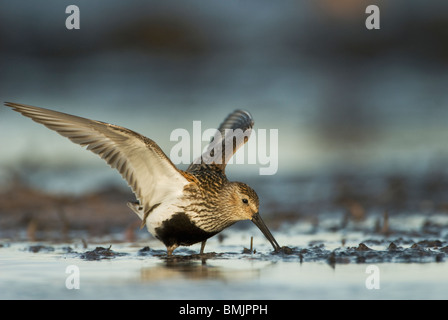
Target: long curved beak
column 256, row 219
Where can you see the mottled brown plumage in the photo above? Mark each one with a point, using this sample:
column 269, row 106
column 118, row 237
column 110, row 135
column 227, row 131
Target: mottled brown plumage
column 178, row 207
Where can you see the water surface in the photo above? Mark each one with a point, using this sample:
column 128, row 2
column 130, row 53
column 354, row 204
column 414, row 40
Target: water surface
column 320, row 267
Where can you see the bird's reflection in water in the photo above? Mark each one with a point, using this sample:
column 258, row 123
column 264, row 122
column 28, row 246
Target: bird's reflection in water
column 196, row 268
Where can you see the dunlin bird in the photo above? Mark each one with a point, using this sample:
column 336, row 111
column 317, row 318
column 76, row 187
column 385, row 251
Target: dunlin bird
column 180, row 208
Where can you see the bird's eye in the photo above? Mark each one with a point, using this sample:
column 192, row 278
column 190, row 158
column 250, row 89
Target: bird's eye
column 245, row 200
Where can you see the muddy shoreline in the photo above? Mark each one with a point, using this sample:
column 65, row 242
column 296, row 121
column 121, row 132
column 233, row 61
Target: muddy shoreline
column 387, row 219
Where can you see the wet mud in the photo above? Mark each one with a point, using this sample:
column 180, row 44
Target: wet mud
column 371, row 251
column 346, row 219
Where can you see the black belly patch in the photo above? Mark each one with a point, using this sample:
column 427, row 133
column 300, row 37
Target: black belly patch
column 181, row 231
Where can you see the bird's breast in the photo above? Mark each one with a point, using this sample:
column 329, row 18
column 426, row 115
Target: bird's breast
column 179, row 229
column 171, row 224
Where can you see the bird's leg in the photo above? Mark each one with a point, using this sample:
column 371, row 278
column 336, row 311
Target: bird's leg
column 202, row 246
column 170, row 249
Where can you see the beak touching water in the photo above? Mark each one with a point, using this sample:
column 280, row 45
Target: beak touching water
column 256, row 219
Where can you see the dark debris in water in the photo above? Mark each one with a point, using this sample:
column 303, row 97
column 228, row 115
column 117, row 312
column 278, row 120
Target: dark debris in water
column 40, row 248
column 360, row 254
column 147, row 252
column 180, row 255
column 430, row 243
column 420, row 252
column 100, row 253
column 368, row 251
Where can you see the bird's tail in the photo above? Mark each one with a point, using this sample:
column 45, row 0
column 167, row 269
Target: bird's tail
column 137, row 208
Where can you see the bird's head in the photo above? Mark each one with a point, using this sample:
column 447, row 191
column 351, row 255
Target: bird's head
column 244, row 206
column 244, row 201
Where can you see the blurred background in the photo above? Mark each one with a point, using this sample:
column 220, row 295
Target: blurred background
column 345, row 100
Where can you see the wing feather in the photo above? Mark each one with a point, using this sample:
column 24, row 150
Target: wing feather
column 233, row 133
column 148, row 171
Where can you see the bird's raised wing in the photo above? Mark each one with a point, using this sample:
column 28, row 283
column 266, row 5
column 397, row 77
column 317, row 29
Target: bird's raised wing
column 233, row 133
column 148, row 171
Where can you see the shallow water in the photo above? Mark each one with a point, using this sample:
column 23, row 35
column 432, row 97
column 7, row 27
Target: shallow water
column 333, row 231
column 320, row 267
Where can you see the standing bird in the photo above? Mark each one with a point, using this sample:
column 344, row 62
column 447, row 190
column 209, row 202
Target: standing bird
column 180, row 208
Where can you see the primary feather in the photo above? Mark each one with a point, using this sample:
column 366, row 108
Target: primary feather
column 148, row 171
